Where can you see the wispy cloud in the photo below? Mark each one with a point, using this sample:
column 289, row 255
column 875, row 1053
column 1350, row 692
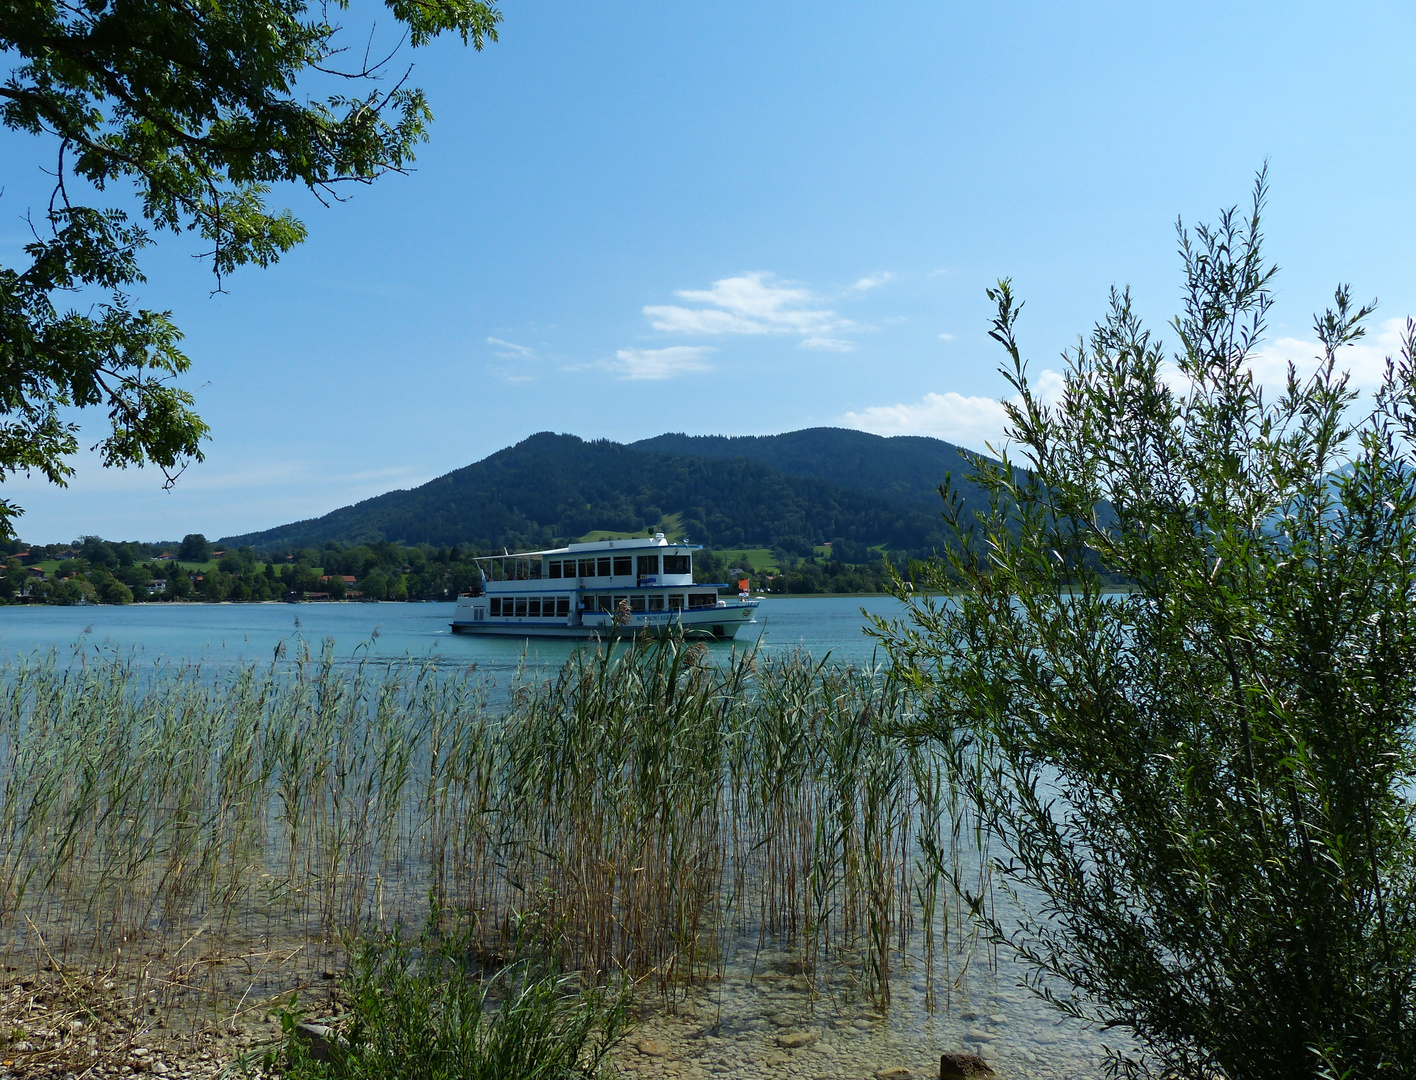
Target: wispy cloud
column 828, row 344
column 510, row 350
column 974, row 422
column 660, row 363
column 522, row 361
column 751, row 303
column 946, row 337
column 873, row 281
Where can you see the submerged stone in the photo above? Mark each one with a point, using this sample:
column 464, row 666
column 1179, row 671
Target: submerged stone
column 796, row 1039
column 963, row 1067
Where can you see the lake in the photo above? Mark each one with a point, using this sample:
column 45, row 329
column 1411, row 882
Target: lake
column 229, row 634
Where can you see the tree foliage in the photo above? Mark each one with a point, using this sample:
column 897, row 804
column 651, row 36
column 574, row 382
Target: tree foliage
column 199, row 106
column 1202, row 787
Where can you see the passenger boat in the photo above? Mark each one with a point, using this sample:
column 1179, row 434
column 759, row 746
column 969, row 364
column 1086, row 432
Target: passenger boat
column 605, row 588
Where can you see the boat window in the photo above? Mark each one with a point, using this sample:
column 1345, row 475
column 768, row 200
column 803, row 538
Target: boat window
column 562, row 606
column 624, row 565
column 533, row 607
column 534, row 566
column 554, row 567
column 570, row 568
column 520, row 608
column 636, row 603
column 676, row 564
column 656, row 603
column 648, row 566
column 605, row 604
column 675, row 599
column 496, row 606
column 604, row 567
column 702, row 599
column 587, row 567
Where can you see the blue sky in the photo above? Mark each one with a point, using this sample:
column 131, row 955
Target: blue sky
column 746, row 218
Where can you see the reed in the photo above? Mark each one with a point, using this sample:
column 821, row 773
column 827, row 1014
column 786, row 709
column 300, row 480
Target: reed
column 659, row 809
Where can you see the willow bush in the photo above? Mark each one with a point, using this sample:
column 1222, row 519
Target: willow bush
column 1198, row 788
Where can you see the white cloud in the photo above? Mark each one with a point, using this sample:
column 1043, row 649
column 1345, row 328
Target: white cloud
column 872, row 281
column 513, row 350
column 660, row 363
column 974, row 422
column 752, row 303
column 682, row 320
column 967, row 421
column 1365, row 360
column 828, row 344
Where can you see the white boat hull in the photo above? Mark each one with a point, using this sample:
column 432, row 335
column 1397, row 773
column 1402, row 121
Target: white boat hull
column 722, row 623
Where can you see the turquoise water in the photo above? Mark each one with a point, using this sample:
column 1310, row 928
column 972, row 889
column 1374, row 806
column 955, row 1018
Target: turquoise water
column 229, row 634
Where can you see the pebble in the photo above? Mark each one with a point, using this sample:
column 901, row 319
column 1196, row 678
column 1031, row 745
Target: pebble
column 652, row 1048
column 894, row 1072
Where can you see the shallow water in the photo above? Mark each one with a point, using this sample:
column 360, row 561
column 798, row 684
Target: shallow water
column 727, row 1029
column 737, row 1029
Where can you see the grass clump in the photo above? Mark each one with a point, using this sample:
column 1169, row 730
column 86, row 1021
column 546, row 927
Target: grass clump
column 424, row 1009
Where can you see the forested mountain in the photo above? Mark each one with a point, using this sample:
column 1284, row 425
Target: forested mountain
column 778, row 492
column 905, row 469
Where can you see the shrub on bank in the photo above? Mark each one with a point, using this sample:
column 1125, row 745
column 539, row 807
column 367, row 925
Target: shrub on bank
column 1202, row 788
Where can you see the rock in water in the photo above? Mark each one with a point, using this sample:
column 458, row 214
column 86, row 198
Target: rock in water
column 652, row 1048
column 963, row 1067
column 321, row 1040
column 897, row 1072
column 797, row 1039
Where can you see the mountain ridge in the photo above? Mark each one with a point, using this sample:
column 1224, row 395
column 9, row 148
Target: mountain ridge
column 906, row 469
column 791, row 491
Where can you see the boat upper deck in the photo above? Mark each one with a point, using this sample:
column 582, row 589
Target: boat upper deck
column 638, row 563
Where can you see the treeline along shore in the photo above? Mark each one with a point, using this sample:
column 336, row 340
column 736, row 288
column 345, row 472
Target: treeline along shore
column 97, row 571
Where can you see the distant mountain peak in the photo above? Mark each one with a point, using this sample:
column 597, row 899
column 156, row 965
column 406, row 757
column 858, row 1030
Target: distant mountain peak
column 796, row 491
